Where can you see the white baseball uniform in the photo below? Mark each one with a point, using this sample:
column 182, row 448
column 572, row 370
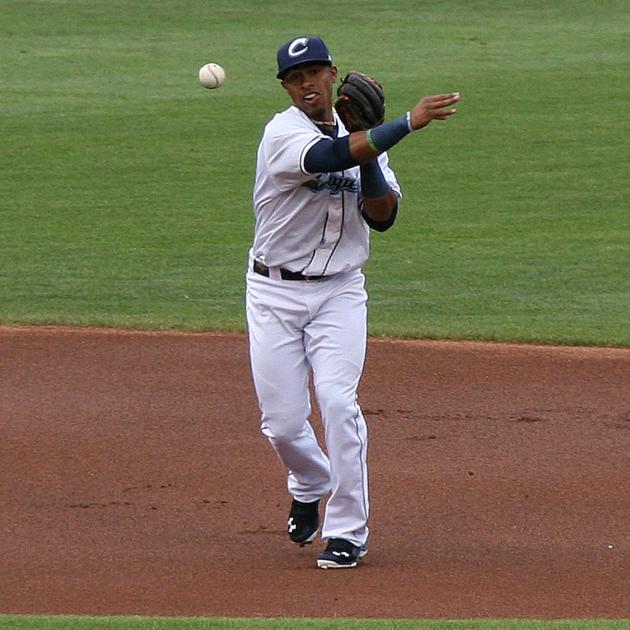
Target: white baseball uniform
column 311, row 224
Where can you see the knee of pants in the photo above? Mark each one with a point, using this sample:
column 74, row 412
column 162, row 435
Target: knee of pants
column 283, row 427
column 336, row 402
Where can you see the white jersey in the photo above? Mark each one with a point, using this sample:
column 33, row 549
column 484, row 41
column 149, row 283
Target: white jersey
column 307, row 222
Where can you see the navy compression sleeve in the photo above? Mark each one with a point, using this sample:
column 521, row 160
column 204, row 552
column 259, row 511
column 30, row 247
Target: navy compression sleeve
column 328, row 156
column 388, row 134
column 373, row 182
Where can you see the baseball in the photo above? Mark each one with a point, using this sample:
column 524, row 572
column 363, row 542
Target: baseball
column 211, row 76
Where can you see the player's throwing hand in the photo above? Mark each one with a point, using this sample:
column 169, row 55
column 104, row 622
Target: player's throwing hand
column 433, row 108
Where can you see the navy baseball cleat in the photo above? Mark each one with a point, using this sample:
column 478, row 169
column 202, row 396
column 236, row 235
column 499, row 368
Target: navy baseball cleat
column 303, row 522
column 340, row 554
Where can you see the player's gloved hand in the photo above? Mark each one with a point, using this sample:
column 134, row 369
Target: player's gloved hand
column 361, row 102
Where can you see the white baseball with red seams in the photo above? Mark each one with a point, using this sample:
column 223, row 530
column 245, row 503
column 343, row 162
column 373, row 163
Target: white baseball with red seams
column 211, row 76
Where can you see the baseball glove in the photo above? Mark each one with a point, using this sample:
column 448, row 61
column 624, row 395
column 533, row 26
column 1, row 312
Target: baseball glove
column 360, row 102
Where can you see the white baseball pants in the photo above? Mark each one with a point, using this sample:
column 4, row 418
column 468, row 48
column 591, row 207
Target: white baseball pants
column 294, row 327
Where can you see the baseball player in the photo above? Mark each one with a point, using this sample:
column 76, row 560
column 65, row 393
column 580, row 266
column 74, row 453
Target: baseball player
column 322, row 182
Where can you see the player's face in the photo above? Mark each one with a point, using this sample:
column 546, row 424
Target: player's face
column 310, row 88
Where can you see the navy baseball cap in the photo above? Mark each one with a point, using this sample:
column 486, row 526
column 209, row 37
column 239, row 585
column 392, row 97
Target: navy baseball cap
column 302, row 50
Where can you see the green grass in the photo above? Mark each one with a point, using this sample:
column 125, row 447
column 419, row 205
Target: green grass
column 165, row 623
column 126, row 187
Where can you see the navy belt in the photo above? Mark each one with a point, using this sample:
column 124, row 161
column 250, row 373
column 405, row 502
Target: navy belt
column 285, row 274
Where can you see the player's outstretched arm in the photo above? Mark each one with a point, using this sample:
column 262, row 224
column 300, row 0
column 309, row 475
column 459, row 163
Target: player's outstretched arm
column 361, row 147
column 365, row 145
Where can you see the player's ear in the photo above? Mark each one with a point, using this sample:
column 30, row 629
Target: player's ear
column 333, row 72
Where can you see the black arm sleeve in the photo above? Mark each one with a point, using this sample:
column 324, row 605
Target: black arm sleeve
column 329, row 156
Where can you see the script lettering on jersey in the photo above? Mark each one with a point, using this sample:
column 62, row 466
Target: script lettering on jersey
column 334, row 183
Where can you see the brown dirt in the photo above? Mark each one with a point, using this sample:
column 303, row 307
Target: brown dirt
column 134, row 480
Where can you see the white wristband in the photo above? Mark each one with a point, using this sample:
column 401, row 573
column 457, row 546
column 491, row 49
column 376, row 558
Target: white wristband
column 409, row 122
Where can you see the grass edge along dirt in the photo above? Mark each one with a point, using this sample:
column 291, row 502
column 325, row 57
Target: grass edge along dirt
column 38, row 622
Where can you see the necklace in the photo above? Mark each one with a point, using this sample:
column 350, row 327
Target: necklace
column 325, row 123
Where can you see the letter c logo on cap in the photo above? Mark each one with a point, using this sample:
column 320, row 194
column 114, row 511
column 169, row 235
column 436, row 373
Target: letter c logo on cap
column 298, row 47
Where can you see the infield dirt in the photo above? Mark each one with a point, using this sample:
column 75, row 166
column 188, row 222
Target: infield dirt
column 134, row 480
